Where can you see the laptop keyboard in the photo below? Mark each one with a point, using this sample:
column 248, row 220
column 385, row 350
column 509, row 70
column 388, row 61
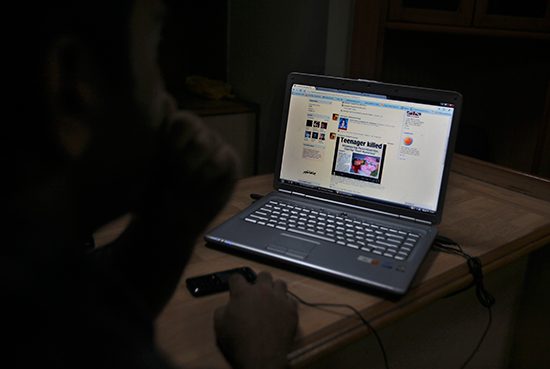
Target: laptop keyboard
column 337, row 228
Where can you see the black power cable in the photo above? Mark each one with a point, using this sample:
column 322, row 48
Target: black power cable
column 356, row 312
column 475, row 267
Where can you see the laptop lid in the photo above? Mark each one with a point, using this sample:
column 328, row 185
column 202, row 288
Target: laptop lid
column 375, row 146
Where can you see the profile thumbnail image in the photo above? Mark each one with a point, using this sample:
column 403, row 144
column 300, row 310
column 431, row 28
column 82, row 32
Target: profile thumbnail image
column 315, row 135
column 332, row 135
column 322, row 136
column 316, row 124
column 335, row 116
column 343, row 125
column 309, row 123
column 324, row 125
column 308, row 134
column 365, row 165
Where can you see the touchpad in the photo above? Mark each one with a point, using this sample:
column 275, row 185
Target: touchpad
column 292, row 242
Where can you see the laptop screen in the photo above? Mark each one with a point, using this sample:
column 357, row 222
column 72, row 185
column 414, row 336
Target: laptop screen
column 385, row 148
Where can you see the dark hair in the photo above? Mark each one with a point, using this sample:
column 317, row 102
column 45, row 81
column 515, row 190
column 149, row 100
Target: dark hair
column 27, row 30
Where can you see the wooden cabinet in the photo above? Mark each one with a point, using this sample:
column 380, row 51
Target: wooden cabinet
column 452, row 12
column 532, row 15
column 495, row 52
column 504, row 14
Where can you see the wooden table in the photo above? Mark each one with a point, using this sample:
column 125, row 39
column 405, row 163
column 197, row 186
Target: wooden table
column 494, row 213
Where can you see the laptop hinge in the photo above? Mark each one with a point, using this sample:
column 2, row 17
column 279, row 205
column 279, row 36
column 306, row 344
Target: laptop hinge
column 292, row 192
column 423, row 221
column 415, row 219
column 408, row 218
column 352, row 206
column 358, row 207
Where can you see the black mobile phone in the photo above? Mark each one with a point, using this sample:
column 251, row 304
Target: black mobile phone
column 217, row 282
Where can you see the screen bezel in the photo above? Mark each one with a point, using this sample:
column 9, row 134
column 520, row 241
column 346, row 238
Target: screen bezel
column 409, row 93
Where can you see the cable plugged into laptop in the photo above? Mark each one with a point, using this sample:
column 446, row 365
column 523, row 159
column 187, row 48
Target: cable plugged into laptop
column 255, row 196
column 445, row 244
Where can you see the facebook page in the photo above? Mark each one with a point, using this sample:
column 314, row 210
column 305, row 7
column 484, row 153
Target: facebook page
column 366, row 145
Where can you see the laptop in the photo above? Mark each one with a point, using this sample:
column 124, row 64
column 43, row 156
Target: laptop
column 361, row 175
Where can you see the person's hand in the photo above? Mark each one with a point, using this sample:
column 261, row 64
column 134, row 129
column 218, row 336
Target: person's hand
column 195, row 175
column 189, row 181
column 258, row 325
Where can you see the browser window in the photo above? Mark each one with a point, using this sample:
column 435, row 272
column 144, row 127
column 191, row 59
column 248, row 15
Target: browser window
column 366, row 145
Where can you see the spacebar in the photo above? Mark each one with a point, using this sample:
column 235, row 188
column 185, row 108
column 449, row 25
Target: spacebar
column 314, row 235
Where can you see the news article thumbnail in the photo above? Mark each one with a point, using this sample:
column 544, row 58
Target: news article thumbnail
column 365, row 165
column 357, row 159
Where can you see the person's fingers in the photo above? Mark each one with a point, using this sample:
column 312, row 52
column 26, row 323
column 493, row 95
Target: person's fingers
column 183, row 126
column 237, row 283
column 264, row 279
column 218, row 315
column 280, row 288
column 170, row 104
column 201, row 148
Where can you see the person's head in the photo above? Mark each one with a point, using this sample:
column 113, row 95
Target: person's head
column 83, row 98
